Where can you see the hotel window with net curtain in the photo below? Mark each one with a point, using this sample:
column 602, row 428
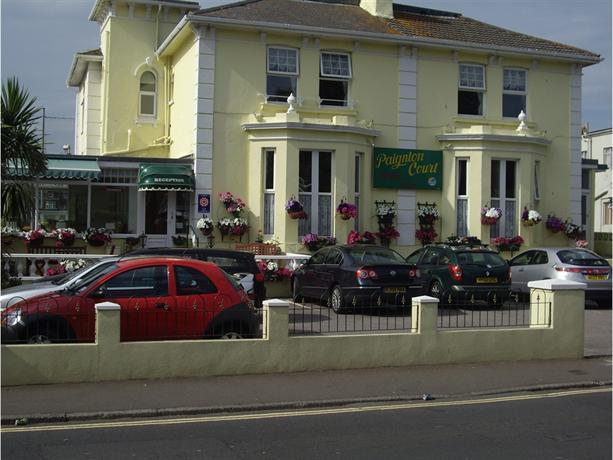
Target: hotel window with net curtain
column 269, row 192
column 315, row 192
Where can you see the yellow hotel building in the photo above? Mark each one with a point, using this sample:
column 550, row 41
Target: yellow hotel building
column 361, row 101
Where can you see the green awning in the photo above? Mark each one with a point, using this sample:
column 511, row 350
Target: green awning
column 63, row 169
column 165, row 177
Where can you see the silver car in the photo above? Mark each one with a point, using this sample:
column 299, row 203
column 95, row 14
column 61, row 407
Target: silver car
column 572, row 264
column 16, row 294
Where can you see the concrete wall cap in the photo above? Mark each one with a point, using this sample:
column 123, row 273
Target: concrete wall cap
column 557, row 285
column 276, row 303
column 107, row 306
column 426, row 299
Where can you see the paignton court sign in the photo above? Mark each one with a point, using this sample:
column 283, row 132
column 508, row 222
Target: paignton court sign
column 408, row 169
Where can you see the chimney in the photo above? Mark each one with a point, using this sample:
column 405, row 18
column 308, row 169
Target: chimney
column 381, row 8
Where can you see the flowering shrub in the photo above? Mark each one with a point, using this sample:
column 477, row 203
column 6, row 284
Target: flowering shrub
column 346, row 210
column 555, row 224
column 530, row 217
column 355, row 237
column 272, row 271
column 581, row 244
column 387, row 234
column 426, row 235
column 97, row 236
column 295, row 209
column 508, row 244
column 205, row 225
column 489, row 216
column 35, row 237
column 179, row 240
column 65, row 236
column 313, row 242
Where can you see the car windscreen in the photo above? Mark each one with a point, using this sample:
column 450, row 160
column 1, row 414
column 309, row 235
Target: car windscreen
column 375, row 256
column 582, row 258
column 481, row 259
column 83, row 283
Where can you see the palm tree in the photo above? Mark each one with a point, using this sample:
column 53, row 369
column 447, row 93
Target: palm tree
column 22, row 152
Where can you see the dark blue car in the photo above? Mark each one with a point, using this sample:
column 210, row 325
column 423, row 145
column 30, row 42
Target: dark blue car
column 360, row 275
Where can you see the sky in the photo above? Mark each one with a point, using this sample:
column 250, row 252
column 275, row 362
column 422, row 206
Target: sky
column 40, row 37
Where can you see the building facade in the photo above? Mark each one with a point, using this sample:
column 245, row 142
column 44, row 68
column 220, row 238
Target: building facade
column 365, row 102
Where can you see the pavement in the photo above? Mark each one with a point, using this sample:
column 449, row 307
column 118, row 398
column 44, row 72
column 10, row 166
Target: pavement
column 208, row 395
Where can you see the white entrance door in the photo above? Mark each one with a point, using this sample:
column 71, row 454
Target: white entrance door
column 166, row 215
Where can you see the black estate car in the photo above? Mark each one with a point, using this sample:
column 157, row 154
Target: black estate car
column 459, row 273
column 240, row 264
column 357, row 275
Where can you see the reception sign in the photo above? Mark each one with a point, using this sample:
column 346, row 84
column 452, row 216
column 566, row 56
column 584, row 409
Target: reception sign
column 408, row 169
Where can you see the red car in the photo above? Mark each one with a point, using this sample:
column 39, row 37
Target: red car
column 161, row 298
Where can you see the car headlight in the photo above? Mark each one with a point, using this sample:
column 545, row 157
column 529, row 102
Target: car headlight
column 13, row 317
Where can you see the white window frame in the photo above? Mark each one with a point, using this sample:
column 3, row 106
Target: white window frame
column 476, row 89
column 462, row 197
column 141, row 93
column 512, row 92
column 277, row 72
column 334, row 76
column 607, row 156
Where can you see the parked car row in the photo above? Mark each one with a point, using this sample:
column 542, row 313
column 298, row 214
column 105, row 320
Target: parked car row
column 189, row 296
column 354, row 275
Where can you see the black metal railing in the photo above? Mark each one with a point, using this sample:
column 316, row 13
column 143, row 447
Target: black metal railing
column 379, row 313
column 493, row 310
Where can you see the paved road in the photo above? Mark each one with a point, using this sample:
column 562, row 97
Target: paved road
column 574, row 425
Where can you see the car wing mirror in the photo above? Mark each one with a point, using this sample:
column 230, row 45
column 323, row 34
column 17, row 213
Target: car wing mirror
column 99, row 293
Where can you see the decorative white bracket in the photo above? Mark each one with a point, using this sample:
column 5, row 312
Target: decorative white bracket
column 523, row 127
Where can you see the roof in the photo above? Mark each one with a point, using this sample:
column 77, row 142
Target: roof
column 414, row 24
column 79, row 65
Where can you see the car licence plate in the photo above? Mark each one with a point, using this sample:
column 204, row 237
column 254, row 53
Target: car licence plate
column 396, row 290
column 490, row 279
column 596, row 277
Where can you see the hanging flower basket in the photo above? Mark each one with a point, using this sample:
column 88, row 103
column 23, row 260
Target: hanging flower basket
column 555, row 224
column 294, row 209
column 205, row 225
column 489, row 216
column 346, row 210
column 530, row 217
